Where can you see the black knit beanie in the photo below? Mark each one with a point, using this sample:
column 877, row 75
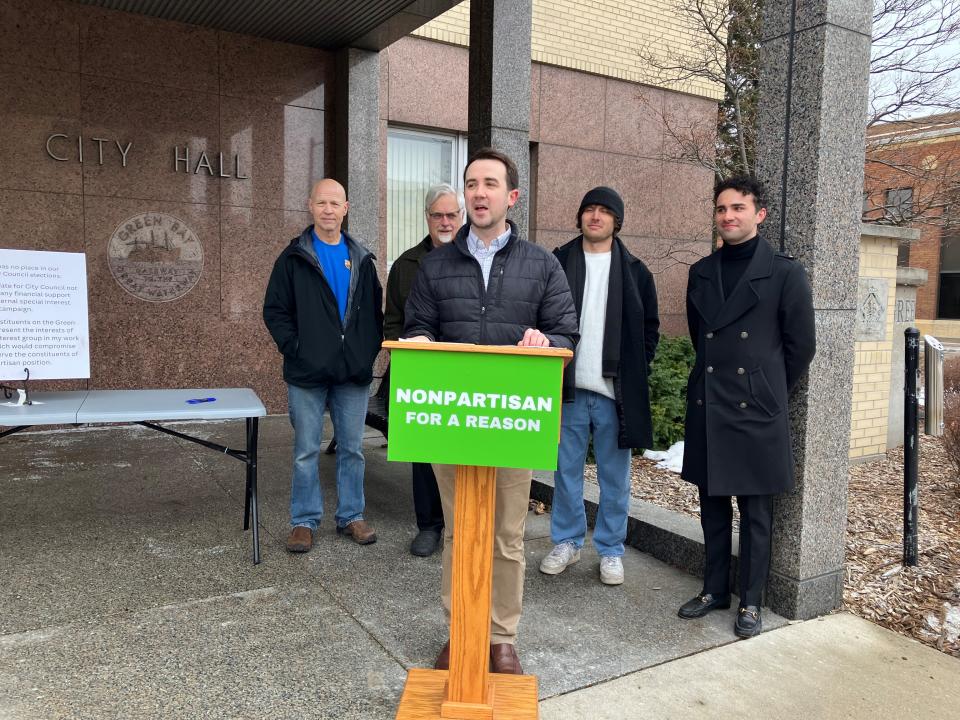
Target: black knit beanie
column 608, row 197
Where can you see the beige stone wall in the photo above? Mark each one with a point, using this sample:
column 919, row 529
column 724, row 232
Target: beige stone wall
column 940, row 329
column 603, row 38
column 871, row 373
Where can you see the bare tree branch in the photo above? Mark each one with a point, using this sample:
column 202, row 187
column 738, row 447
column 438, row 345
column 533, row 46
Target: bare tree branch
column 914, row 70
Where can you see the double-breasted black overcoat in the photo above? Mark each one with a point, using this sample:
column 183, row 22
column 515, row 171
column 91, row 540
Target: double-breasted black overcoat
column 751, row 348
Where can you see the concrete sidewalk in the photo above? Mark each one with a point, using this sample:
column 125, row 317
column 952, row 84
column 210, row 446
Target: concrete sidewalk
column 128, row 592
column 832, row 668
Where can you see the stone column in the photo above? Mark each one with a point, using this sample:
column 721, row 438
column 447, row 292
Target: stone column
column 357, row 141
column 810, row 149
column 499, row 99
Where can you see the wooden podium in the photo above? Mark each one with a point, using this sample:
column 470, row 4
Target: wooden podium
column 505, row 407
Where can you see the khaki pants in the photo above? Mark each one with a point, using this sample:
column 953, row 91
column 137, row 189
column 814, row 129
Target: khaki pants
column 510, row 516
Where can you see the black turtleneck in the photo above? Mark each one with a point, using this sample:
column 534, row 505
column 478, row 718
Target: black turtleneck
column 734, row 260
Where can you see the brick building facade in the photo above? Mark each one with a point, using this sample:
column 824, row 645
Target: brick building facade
column 913, row 178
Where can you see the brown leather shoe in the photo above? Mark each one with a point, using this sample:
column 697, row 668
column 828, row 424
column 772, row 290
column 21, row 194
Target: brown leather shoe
column 361, row 533
column 504, row 659
column 300, row 540
column 443, row 659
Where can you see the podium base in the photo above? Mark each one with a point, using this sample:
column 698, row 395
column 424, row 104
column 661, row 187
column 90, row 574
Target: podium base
column 424, row 696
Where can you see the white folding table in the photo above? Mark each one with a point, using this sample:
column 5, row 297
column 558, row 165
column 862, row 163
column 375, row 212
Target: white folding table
column 147, row 407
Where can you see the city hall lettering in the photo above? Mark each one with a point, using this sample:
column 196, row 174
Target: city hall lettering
column 63, row 148
column 472, row 400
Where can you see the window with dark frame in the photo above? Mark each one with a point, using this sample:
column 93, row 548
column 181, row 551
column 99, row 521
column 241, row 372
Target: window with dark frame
column 898, row 205
column 948, row 300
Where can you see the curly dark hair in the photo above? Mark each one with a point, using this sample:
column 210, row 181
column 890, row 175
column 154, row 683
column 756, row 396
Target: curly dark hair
column 745, row 184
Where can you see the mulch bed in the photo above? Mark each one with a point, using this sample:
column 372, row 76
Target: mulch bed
column 922, row 602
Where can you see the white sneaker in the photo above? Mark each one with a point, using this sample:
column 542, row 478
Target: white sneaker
column 611, row 571
column 560, row 557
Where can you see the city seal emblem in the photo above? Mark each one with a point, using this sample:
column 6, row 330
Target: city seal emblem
column 155, row 257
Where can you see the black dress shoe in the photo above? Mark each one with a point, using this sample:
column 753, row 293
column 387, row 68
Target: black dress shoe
column 702, row 604
column 748, row 622
column 425, row 543
column 443, row 659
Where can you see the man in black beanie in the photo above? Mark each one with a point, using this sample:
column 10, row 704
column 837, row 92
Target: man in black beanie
column 605, row 387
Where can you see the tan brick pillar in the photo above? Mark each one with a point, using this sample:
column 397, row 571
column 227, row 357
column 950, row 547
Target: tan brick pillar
column 876, row 301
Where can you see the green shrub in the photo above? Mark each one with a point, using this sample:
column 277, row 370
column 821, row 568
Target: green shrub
column 668, row 389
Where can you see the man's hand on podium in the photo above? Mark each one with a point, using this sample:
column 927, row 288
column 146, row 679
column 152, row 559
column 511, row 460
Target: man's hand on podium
column 534, row 338
column 416, row 338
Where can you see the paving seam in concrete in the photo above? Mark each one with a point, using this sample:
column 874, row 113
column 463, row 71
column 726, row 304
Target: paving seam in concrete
column 605, row 681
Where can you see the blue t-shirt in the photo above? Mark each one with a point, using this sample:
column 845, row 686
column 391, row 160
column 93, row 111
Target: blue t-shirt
column 335, row 263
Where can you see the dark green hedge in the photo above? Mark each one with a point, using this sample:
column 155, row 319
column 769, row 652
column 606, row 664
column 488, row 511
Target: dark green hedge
column 668, row 389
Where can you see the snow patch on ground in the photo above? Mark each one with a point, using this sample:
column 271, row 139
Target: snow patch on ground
column 45, row 463
column 950, row 629
column 671, row 459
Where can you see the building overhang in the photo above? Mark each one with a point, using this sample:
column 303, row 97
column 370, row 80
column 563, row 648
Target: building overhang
column 325, row 24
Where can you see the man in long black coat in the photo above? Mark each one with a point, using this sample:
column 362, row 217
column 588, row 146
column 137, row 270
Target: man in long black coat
column 750, row 314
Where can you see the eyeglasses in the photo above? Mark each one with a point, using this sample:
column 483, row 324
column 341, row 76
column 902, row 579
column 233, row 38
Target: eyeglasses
column 451, row 217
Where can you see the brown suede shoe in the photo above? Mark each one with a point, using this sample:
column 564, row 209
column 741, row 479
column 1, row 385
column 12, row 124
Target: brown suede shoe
column 361, row 533
column 504, row 659
column 300, row 540
column 443, row 659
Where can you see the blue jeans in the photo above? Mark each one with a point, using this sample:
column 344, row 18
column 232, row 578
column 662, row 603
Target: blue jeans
column 348, row 410
column 591, row 413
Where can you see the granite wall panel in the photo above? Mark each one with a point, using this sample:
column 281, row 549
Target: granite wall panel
column 104, row 216
column 427, row 84
column 552, row 239
column 155, row 346
column 252, row 239
column 28, row 119
column 633, row 123
column 275, row 72
column 687, row 202
column 40, row 34
column 564, row 175
column 281, row 150
column 144, row 116
column 687, row 119
column 140, row 49
column 571, row 105
column 638, row 181
column 250, row 359
column 41, row 221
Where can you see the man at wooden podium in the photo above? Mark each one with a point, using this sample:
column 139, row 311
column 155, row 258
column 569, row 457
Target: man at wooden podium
column 490, row 287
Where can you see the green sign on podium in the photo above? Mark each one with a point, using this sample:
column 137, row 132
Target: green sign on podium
column 481, row 405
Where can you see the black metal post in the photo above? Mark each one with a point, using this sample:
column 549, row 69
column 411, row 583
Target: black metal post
column 911, row 445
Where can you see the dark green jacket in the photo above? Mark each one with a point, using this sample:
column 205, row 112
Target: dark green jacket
column 402, row 274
